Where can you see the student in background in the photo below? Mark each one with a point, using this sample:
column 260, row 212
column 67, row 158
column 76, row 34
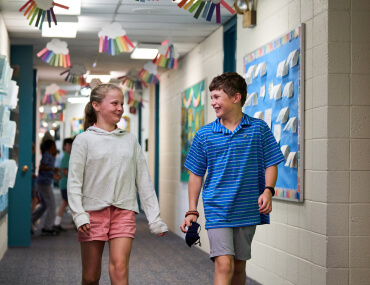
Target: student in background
column 67, row 147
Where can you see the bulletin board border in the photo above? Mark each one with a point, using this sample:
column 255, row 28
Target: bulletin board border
column 298, row 31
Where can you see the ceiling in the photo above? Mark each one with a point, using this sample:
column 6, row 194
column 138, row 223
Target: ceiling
column 145, row 22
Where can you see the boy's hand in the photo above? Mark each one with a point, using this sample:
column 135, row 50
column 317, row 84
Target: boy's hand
column 265, row 203
column 188, row 222
column 85, row 228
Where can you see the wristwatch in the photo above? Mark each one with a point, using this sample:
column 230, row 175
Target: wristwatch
column 272, row 189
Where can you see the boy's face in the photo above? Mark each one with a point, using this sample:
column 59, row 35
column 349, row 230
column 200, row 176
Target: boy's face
column 223, row 104
column 68, row 148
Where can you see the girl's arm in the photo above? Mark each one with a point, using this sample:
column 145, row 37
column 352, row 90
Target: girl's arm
column 75, row 182
column 148, row 198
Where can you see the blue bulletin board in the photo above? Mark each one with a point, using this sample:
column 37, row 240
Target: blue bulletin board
column 275, row 78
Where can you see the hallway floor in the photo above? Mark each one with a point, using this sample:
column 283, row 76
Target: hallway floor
column 56, row 260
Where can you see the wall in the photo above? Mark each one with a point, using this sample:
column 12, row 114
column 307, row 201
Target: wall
column 4, row 50
column 324, row 240
column 205, row 61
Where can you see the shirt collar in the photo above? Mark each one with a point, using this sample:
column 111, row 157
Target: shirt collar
column 219, row 128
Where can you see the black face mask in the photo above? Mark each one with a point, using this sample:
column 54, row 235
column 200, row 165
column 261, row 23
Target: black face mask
column 192, row 236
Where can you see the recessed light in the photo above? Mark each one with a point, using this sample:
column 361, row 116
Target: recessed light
column 61, row 30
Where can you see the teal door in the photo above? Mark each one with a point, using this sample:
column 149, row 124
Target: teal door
column 19, row 204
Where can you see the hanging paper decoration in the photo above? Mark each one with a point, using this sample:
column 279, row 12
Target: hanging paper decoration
column 130, row 96
column 148, row 73
column 56, row 53
column 113, row 39
column 206, row 8
column 41, row 8
column 167, row 55
column 131, row 83
column 75, row 75
column 53, row 94
column 94, row 82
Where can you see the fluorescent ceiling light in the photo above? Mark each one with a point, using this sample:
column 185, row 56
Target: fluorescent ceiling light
column 144, row 53
column 61, row 30
column 76, row 100
column 74, row 8
column 103, row 78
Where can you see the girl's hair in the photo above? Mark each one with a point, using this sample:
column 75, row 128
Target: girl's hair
column 46, row 145
column 97, row 94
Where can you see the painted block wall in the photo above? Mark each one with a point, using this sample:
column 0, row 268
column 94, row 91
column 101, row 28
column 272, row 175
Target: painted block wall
column 205, row 61
column 326, row 239
column 4, row 50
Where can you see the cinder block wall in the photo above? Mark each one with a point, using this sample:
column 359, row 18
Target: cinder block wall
column 205, row 61
column 326, row 239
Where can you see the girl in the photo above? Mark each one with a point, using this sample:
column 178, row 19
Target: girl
column 106, row 170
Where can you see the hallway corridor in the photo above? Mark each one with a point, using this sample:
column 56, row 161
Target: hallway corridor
column 56, row 260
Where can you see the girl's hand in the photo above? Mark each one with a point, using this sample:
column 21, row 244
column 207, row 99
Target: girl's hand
column 85, row 229
column 162, row 234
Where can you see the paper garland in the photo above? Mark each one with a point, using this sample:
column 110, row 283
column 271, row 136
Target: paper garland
column 206, row 8
column 167, row 55
column 148, row 73
column 132, row 84
column 113, row 40
column 56, row 53
column 75, row 75
column 53, row 94
column 41, row 8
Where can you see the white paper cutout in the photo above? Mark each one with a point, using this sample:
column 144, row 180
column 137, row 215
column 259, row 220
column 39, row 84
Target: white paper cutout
column 277, row 132
column 271, row 90
column 3, row 182
column 203, row 97
column 57, row 46
column 12, row 97
column 291, row 125
column 285, row 149
column 291, row 160
column 248, row 100
column 11, row 172
column 254, row 98
column 277, row 92
column 262, row 67
column 282, row 69
column 9, row 129
column 288, row 90
column 283, row 115
column 293, row 58
column 268, row 116
column 263, row 91
column 248, row 78
column 258, row 115
column 112, row 31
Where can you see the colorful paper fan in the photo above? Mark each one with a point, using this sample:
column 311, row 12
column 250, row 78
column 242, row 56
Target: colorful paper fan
column 167, row 55
column 75, row 75
column 132, row 83
column 148, row 73
column 207, row 6
column 113, row 40
column 56, row 53
column 53, row 94
column 41, row 8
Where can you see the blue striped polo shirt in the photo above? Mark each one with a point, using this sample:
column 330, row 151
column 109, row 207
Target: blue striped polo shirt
column 236, row 163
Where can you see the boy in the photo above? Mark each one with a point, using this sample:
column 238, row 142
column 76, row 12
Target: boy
column 67, row 147
column 241, row 156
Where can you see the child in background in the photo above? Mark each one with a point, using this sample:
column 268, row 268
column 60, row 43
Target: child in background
column 67, row 147
column 47, row 172
column 107, row 169
column 241, row 156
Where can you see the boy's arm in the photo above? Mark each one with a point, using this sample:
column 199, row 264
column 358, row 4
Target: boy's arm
column 264, row 201
column 195, row 186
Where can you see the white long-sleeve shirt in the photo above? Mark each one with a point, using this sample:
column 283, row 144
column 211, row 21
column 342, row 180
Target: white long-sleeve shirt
column 109, row 168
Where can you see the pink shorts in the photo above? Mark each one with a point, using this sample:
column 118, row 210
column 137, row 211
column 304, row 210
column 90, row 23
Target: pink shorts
column 109, row 223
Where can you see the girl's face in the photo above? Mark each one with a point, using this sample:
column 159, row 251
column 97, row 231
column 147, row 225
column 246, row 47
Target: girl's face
column 110, row 110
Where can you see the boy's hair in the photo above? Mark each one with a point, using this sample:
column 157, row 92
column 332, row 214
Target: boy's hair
column 46, row 145
column 97, row 94
column 67, row 141
column 231, row 83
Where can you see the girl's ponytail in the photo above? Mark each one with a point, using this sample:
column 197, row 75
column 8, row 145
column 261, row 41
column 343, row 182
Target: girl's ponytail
column 90, row 116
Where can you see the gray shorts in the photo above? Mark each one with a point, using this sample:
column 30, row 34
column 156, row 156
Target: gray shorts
column 231, row 241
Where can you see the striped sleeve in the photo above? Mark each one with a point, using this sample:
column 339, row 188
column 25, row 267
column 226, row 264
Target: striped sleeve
column 272, row 154
column 196, row 161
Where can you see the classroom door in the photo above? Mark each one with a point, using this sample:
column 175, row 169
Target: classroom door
column 19, row 204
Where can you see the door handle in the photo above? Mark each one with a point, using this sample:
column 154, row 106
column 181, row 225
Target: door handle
column 25, row 168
